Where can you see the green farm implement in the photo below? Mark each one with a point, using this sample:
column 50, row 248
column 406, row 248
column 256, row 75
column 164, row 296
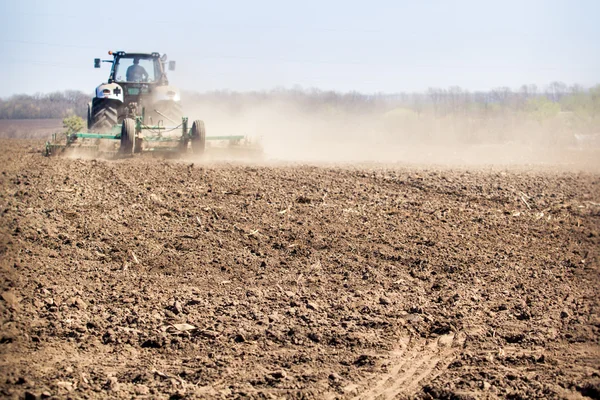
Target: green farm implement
column 134, row 136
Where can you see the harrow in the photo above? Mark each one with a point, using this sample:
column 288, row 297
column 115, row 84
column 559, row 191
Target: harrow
column 134, row 136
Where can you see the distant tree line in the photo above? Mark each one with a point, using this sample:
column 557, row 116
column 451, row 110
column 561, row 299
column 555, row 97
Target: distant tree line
column 545, row 102
column 550, row 116
column 50, row 105
column 539, row 103
column 555, row 115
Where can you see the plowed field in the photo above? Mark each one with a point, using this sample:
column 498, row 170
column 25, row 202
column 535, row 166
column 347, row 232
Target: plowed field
column 172, row 279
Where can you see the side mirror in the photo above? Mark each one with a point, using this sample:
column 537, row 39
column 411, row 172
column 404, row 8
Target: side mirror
column 163, row 58
column 171, row 65
column 96, row 63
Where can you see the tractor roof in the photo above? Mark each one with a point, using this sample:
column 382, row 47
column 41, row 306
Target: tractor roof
column 136, row 54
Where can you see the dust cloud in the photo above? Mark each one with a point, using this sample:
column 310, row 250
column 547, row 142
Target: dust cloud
column 291, row 132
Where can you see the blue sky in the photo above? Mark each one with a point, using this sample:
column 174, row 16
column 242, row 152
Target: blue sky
column 374, row 46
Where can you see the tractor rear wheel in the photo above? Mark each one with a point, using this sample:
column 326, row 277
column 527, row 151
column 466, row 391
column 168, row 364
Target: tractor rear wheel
column 89, row 116
column 198, row 136
column 129, row 144
column 104, row 115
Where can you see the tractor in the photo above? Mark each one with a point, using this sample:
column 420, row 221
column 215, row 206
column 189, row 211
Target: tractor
column 137, row 87
column 138, row 108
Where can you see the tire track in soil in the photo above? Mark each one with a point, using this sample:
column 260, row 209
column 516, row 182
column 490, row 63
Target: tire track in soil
column 412, row 364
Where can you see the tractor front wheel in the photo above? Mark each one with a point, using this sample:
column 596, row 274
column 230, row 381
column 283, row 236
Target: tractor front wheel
column 198, row 137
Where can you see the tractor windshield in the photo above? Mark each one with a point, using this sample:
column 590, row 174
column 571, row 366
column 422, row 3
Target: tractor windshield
column 136, row 69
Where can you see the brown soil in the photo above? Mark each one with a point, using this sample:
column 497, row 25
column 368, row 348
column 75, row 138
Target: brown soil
column 30, row 128
column 169, row 279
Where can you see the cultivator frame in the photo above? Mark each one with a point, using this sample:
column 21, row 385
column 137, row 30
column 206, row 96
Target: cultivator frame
column 137, row 137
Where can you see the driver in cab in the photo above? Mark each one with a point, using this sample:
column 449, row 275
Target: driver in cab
column 136, row 73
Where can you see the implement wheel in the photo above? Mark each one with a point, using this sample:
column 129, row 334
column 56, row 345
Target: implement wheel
column 129, row 144
column 198, row 136
column 183, row 146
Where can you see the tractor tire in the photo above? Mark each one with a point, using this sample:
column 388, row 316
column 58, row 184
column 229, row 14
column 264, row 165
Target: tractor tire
column 104, row 115
column 89, row 116
column 171, row 109
column 198, row 137
column 129, row 144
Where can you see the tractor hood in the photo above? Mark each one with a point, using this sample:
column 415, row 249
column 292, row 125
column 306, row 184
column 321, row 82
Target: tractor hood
column 110, row 91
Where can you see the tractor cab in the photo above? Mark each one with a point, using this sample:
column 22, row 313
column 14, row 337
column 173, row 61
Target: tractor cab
column 137, row 68
column 137, row 86
column 153, row 65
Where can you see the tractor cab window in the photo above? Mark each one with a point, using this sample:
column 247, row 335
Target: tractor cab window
column 135, row 69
